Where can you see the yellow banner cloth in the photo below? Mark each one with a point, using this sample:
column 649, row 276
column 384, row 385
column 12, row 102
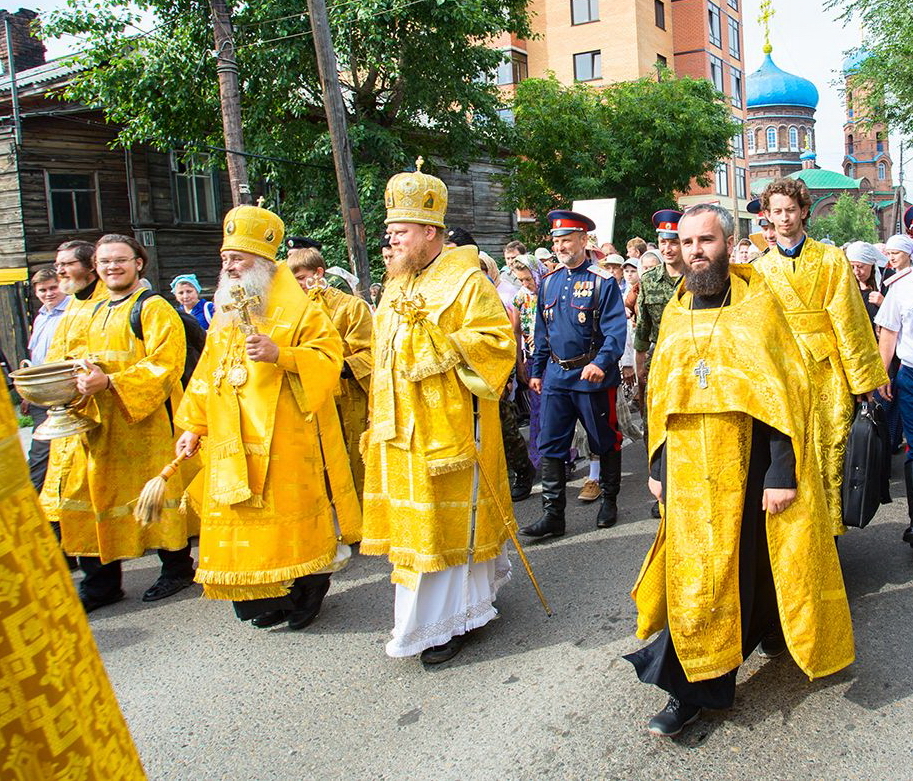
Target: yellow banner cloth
column 823, row 307
column 689, row 580
column 423, row 497
column 60, row 720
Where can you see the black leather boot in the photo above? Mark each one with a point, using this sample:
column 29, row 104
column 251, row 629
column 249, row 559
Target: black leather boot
column 908, row 482
column 554, row 499
column 610, row 483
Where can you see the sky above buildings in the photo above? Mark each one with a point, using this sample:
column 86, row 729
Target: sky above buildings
column 807, row 41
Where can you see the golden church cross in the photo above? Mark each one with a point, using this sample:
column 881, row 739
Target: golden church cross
column 242, row 303
column 419, row 162
column 767, row 13
column 260, row 201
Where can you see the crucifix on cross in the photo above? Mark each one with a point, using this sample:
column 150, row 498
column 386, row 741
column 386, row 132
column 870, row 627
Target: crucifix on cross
column 242, row 303
column 701, row 371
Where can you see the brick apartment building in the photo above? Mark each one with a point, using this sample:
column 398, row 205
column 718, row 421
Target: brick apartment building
column 604, row 41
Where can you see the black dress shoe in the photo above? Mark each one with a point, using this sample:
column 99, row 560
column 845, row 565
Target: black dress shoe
column 269, row 618
column 772, row 645
column 545, row 527
column 672, row 719
column 166, row 587
column 310, row 609
column 654, row 511
column 438, row 654
column 522, row 486
column 93, row 603
column 608, row 513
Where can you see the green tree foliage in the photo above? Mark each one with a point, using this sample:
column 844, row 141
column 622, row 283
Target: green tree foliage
column 641, row 142
column 883, row 81
column 413, row 72
column 851, row 219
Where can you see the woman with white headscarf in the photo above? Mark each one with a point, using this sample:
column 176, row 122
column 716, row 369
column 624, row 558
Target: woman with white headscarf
column 866, row 262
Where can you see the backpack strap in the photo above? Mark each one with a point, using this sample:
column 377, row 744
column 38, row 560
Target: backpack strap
column 136, row 314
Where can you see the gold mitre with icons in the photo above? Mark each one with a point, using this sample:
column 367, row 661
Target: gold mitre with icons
column 252, row 229
column 416, row 197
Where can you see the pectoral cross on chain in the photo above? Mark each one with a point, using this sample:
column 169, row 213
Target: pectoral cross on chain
column 242, row 304
column 701, row 371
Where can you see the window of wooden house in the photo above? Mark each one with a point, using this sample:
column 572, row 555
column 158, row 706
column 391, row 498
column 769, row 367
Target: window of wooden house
column 194, row 188
column 72, row 201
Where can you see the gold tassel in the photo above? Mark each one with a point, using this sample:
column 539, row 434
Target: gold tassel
column 152, row 498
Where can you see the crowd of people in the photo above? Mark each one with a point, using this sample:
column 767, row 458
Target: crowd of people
column 309, row 420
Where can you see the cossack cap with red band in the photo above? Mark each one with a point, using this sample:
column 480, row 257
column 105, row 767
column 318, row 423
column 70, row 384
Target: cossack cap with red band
column 754, row 207
column 666, row 223
column 565, row 222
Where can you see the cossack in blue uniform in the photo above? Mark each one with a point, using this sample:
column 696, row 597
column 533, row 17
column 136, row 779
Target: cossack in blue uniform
column 580, row 320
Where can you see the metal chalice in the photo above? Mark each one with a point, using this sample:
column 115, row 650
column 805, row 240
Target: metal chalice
column 53, row 385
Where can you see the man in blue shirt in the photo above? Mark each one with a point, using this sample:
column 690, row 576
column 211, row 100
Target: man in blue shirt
column 580, row 337
column 53, row 300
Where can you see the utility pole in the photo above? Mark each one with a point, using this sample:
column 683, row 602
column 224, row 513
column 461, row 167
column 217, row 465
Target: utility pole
column 342, row 151
column 227, row 70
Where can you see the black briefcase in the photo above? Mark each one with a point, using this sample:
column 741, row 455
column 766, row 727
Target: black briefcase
column 867, row 468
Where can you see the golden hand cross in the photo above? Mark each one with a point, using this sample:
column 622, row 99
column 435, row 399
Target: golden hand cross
column 242, row 304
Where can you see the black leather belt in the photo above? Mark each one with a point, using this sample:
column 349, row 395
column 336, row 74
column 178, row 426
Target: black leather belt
column 574, row 363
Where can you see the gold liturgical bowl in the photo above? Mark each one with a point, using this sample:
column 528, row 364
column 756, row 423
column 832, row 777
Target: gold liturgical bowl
column 53, row 385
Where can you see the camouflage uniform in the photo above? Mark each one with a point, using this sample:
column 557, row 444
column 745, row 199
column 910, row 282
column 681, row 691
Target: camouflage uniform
column 656, row 288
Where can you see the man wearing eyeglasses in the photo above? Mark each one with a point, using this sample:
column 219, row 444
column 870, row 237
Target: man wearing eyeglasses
column 129, row 382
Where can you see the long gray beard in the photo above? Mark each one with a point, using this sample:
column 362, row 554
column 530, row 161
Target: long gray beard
column 256, row 281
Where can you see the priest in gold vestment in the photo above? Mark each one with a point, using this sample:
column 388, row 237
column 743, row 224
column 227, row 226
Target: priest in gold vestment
column 815, row 286
column 740, row 549
column 60, row 720
column 436, row 492
column 277, row 493
column 353, row 319
column 129, row 383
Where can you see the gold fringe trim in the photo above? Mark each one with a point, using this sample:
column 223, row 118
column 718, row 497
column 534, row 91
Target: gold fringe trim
column 234, row 496
column 426, row 369
column 245, row 593
column 423, row 562
column 446, row 466
column 255, row 500
column 225, row 449
column 404, row 577
column 264, row 577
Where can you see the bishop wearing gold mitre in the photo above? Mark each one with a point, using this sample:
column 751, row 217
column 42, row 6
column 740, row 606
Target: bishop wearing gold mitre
column 814, row 284
column 61, row 719
column 353, row 319
column 272, row 476
column 130, row 383
column 740, row 550
column 436, row 489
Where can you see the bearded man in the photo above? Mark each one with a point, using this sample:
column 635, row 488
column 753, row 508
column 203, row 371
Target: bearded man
column 436, row 493
column 271, row 363
column 732, row 457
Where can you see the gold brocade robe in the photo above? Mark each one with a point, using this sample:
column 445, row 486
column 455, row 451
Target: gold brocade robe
column 428, row 505
column 353, row 319
column 272, row 446
column 110, row 465
column 690, row 578
column 69, row 342
column 60, row 720
column 820, row 297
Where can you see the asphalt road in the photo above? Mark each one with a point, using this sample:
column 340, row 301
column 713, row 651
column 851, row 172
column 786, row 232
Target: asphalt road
column 208, row 697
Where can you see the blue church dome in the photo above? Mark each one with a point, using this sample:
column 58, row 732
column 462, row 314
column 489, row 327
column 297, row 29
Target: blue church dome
column 771, row 86
column 855, row 59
